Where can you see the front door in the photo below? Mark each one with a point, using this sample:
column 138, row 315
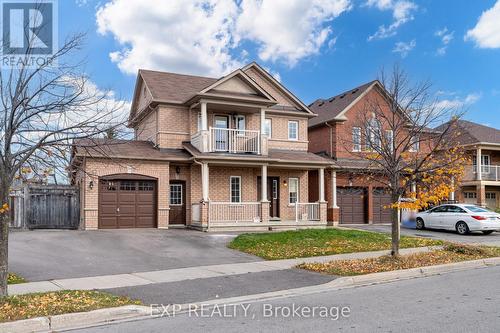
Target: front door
column 221, row 124
column 177, row 214
column 273, row 195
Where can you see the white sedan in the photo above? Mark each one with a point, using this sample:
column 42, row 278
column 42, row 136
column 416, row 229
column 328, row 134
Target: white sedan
column 463, row 218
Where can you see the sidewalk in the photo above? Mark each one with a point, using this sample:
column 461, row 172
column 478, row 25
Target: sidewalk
column 183, row 274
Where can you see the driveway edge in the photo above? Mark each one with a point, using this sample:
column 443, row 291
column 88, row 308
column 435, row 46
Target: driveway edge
column 100, row 317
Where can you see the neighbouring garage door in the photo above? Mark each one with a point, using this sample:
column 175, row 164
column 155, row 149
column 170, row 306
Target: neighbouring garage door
column 381, row 199
column 127, row 203
column 351, row 201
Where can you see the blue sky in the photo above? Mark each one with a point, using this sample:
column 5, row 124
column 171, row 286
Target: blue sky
column 317, row 48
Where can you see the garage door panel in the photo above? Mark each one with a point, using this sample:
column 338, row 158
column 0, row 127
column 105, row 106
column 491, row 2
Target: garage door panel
column 127, row 204
column 351, row 201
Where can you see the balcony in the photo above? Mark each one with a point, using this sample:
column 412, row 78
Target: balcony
column 227, row 140
column 488, row 173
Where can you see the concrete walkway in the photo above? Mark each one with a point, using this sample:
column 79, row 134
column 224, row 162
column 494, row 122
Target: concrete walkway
column 182, row 274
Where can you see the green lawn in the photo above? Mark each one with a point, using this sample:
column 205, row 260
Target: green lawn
column 53, row 303
column 450, row 253
column 319, row 242
column 13, row 278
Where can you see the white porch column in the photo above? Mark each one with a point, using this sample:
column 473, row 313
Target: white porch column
column 263, row 183
column 452, row 193
column 321, row 182
column 204, row 116
column 479, row 164
column 204, row 181
column 262, row 120
column 334, row 189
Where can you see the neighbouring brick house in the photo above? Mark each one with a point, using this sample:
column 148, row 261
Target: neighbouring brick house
column 353, row 194
column 226, row 153
column 481, row 182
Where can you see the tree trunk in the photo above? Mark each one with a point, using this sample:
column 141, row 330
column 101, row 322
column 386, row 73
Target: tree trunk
column 4, row 239
column 395, row 217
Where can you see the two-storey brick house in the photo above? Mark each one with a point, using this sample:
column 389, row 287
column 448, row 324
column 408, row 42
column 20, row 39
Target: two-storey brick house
column 210, row 153
column 354, row 190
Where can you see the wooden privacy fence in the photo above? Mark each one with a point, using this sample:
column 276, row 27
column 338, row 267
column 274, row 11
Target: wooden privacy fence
column 45, row 207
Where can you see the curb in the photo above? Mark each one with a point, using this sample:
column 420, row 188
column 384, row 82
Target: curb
column 100, row 317
column 76, row 320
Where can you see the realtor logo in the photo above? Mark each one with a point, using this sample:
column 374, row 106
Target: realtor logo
column 29, row 35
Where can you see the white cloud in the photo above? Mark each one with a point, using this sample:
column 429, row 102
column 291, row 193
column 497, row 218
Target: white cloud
column 206, row 37
column 446, row 37
column 486, row 33
column 402, row 12
column 457, row 103
column 404, row 48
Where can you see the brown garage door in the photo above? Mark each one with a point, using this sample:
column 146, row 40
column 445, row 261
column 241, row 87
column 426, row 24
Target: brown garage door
column 381, row 199
column 351, row 201
column 127, row 203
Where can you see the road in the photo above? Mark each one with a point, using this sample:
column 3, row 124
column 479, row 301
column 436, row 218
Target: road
column 467, row 301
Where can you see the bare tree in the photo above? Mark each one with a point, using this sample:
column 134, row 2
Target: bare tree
column 43, row 109
column 396, row 136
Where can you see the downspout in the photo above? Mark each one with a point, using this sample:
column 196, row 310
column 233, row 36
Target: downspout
column 202, row 200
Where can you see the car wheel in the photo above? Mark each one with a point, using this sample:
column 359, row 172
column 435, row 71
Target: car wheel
column 487, row 232
column 420, row 224
column 462, row 228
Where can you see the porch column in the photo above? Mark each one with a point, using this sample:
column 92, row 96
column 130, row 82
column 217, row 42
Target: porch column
column 481, row 195
column 452, row 193
column 204, row 116
column 479, row 164
column 334, row 189
column 204, row 181
column 263, row 139
column 263, row 183
column 321, row 174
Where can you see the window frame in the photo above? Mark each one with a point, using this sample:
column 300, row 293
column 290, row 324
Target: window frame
column 237, row 121
column 389, row 136
column 290, row 122
column 268, row 131
column 414, row 144
column 231, row 189
column 290, row 190
column 181, row 195
column 356, row 146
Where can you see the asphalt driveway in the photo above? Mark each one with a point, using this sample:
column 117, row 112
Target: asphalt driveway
column 57, row 254
column 473, row 238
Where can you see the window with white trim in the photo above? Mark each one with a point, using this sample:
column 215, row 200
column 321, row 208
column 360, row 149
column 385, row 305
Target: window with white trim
column 268, row 127
column 176, row 194
column 235, row 188
column 240, row 124
column 415, row 144
column 293, row 190
column 389, row 137
column 373, row 140
column 293, row 130
column 356, row 139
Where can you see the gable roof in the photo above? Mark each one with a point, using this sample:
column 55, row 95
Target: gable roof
column 333, row 107
column 473, row 133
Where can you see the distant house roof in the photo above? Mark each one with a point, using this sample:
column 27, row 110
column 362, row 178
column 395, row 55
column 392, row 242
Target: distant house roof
column 126, row 149
column 472, row 133
column 328, row 109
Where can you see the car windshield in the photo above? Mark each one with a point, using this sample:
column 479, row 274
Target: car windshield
column 477, row 209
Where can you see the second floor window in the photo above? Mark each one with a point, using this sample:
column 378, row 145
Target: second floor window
column 235, row 184
column 293, row 130
column 356, row 139
column 415, row 144
column 389, row 136
column 268, row 127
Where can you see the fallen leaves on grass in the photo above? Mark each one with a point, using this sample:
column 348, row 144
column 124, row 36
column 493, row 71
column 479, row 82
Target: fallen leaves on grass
column 13, row 278
column 449, row 254
column 52, row 303
column 319, row 242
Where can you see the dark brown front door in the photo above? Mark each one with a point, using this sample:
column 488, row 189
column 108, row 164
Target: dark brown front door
column 127, row 203
column 351, row 201
column 381, row 200
column 273, row 195
column 177, row 213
